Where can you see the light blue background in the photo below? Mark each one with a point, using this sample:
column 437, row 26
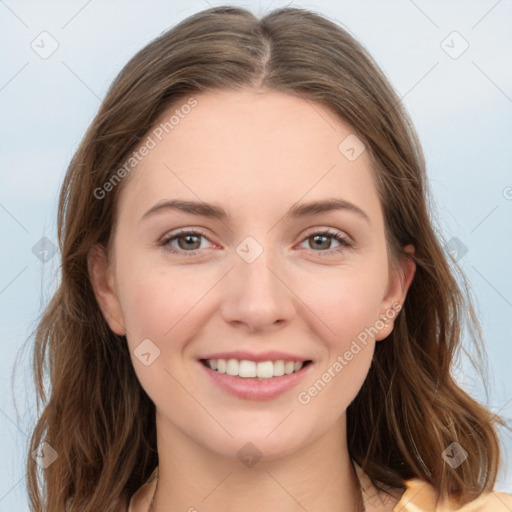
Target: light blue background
column 462, row 109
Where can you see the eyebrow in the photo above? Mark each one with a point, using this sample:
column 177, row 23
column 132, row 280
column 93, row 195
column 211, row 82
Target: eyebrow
column 217, row 212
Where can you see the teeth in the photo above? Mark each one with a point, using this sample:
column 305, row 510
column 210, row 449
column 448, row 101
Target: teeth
column 232, row 367
column 278, row 368
column 247, row 368
column 264, row 370
column 251, row 369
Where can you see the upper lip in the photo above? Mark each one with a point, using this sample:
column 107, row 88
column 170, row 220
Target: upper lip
column 257, row 357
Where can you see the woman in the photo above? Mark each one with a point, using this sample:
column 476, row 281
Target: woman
column 255, row 312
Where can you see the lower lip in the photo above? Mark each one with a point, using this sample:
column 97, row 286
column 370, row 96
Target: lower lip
column 253, row 389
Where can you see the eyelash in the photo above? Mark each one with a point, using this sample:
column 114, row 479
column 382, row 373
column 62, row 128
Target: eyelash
column 344, row 242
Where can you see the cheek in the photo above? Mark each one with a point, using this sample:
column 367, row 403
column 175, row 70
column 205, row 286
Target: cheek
column 348, row 302
column 154, row 300
column 349, row 352
column 163, row 308
column 354, row 318
column 146, row 309
column 349, row 306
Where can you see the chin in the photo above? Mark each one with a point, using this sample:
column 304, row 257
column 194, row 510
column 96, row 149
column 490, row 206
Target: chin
column 258, row 445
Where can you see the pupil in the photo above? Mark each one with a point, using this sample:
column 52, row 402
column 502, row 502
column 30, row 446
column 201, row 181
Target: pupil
column 317, row 237
column 189, row 238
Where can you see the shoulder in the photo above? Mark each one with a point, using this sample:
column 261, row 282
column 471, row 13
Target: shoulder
column 420, row 496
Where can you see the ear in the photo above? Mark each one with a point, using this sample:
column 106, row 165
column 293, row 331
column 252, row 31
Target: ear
column 104, row 290
column 399, row 282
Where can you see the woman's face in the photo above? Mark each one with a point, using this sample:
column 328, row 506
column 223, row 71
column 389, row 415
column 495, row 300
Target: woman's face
column 241, row 271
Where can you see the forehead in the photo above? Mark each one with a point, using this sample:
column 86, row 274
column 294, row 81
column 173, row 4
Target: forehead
column 252, row 149
column 253, row 126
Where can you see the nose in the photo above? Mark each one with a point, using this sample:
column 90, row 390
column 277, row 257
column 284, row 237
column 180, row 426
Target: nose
column 256, row 295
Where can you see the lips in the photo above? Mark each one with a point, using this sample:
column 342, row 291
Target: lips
column 257, row 357
column 251, row 376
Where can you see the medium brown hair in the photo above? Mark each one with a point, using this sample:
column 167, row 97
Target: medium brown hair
column 98, row 417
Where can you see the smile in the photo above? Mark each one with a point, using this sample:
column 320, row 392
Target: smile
column 255, row 380
column 247, row 369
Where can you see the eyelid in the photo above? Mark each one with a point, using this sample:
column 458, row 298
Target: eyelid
column 309, row 232
column 172, row 235
column 343, row 238
column 330, row 231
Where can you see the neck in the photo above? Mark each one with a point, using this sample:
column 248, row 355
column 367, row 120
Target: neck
column 318, row 477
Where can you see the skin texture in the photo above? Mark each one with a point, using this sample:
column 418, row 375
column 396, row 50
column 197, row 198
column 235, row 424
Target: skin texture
column 255, row 153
